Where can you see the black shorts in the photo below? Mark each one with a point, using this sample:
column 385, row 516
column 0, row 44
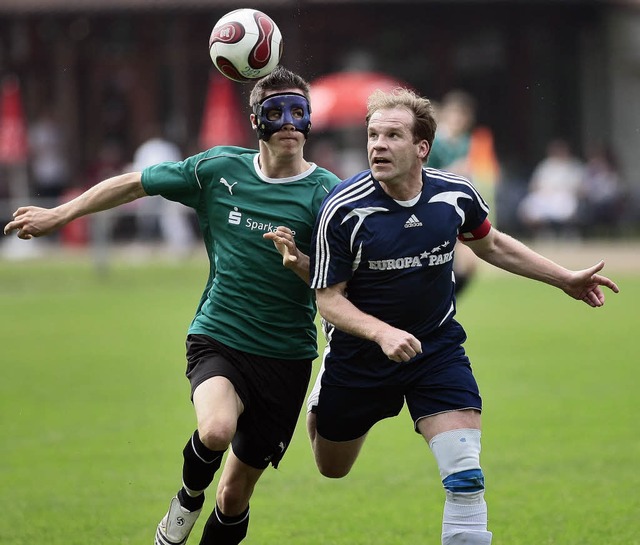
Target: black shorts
column 272, row 391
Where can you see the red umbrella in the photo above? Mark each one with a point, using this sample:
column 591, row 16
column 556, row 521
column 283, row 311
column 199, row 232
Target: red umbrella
column 13, row 132
column 223, row 122
column 339, row 100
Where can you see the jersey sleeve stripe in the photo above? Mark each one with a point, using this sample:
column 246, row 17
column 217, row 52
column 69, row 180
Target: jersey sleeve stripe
column 455, row 179
column 349, row 194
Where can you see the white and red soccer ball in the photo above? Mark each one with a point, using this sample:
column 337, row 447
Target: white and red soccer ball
column 245, row 45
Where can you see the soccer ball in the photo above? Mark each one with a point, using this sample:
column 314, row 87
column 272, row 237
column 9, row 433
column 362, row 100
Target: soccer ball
column 245, row 45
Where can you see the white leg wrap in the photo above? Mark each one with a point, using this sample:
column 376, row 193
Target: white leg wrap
column 464, row 519
column 456, row 451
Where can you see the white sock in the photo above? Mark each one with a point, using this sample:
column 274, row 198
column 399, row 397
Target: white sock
column 465, row 523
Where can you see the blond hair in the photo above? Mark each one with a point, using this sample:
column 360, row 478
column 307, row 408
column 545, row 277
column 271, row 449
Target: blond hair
column 424, row 121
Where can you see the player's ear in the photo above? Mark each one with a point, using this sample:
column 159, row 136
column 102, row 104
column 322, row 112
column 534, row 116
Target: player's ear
column 252, row 118
column 423, row 149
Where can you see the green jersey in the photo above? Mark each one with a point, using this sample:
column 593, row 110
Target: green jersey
column 446, row 151
column 251, row 301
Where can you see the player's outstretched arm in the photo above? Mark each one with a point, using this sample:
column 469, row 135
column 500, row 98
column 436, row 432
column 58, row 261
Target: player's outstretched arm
column 513, row 256
column 292, row 257
column 33, row 221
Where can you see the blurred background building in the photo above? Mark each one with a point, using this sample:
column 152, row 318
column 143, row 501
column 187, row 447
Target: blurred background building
column 101, row 72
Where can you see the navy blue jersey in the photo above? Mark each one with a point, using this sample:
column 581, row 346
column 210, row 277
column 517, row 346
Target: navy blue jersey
column 397, row 258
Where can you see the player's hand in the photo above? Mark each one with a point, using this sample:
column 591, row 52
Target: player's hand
column 585, row 285
column 32, row 221
column 284, row 242
column 399, row 346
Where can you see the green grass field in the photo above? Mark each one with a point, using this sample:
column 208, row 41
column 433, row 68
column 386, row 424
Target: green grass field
column 94, row 412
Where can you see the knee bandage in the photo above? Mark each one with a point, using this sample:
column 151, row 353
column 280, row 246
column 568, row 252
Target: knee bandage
column 457, row 453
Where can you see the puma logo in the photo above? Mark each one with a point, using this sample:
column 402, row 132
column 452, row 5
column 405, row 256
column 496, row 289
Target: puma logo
column 226, row 184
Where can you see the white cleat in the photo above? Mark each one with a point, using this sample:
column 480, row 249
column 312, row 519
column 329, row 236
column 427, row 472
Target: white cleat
column 176, row 525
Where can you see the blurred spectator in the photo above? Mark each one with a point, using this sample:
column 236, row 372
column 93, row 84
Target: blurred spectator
column 172, row 218
column 465, row 149
column 456, row 117
column 550, row 208
column 601, row 194
column 462, row 147
column 48, row 158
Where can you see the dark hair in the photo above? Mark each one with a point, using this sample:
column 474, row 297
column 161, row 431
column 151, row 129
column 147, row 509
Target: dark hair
column 424, row 121
column 278, row 80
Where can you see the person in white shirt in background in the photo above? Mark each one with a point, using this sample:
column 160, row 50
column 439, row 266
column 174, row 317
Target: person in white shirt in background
column 173, row 218
column 550, row 209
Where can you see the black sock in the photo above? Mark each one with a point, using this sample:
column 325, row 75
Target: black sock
column 223, row 530
column 200, row 464
column 191, row 503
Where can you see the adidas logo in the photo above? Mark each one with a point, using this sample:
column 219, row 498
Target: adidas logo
column 413, row 222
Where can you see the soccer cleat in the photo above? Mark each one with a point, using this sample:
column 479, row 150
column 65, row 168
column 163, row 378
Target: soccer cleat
column 176, row 525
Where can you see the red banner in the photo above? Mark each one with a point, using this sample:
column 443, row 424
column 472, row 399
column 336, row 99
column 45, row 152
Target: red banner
column 224, row 121
column 13, row 132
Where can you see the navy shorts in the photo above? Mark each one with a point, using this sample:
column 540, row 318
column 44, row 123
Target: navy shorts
column 437, row 383
column 272, row 391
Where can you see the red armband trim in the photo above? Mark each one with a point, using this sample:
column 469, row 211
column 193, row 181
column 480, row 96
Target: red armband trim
column 477, row 233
